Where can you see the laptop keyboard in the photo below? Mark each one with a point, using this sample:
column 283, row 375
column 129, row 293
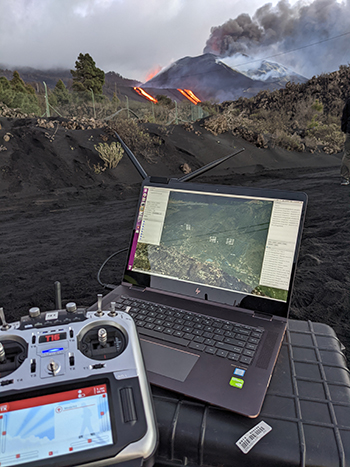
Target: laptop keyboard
column 225, row 339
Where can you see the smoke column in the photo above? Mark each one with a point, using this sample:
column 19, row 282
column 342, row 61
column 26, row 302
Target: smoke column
column 282, row 28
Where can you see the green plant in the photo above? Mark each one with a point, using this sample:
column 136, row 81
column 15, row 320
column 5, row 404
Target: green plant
column 111, row 154
column 61, row 93
column 87, row 76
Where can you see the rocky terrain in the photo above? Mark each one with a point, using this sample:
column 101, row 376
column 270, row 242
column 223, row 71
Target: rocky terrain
column 303, row 117
column 62, row 213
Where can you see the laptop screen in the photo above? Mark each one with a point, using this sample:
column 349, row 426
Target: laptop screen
column 223, row 246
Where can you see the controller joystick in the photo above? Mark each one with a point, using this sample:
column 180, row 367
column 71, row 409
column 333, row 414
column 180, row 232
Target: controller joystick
column 102, row 342
column 13, row 352
column 13, row 349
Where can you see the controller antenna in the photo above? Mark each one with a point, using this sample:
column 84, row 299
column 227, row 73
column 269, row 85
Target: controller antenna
column 58, row 298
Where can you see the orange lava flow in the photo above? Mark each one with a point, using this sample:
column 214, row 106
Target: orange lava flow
column 145, row 94
column 190, row 96
column 153, row 73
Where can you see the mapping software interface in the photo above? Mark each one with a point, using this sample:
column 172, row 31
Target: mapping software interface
column 54, row 425
column 229, row 242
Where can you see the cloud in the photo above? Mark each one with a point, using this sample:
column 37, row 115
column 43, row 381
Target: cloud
column 284, row 32
column 130, row 37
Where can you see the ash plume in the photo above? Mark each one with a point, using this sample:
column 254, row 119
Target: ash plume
column 276, row 31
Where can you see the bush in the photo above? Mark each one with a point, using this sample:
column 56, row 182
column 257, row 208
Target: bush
column 111, row 154
column 138, row 140
column 287, row 141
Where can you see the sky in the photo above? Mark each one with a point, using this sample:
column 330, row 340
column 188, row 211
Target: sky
column 136, row 37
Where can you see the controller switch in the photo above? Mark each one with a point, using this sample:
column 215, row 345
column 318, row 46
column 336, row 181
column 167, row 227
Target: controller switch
column 71, row 360
column 97, row 366
column 33, row 366
column 6, row 382
column 53, row 367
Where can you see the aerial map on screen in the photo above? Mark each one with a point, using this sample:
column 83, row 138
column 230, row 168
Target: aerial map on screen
column 214, row 240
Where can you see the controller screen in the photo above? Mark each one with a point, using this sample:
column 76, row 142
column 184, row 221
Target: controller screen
column 54, row 425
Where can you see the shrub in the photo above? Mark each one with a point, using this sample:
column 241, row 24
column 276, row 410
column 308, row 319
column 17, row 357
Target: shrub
column 111, row 154
column 138, row 140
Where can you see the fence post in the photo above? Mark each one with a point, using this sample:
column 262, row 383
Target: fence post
column 176, row 115
column 93, row 102
column 127, row 105
column 47, row 101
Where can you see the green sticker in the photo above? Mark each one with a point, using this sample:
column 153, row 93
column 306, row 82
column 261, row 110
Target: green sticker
column 236, row 382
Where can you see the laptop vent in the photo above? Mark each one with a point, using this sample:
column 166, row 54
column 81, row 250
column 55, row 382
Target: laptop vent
column 266, row 351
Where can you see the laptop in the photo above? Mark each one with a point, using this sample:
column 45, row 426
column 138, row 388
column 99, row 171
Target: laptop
column 208, row 281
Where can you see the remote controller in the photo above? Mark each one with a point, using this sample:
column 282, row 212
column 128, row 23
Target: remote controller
column 73, row 390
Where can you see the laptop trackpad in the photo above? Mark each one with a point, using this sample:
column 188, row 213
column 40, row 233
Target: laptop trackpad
column 166, row 361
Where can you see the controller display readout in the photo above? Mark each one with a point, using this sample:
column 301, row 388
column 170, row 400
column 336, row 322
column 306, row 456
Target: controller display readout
column 47, row 338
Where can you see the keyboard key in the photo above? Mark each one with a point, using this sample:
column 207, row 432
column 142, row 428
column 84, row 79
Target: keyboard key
column 188, row 336
column 211, row 350
column 196, row 346
column 198, row 339
column 222, row 353
column 241, row 337
column 209, row 342
column 178, row 334
column 253, row 340
column 167, row 338
column 228, row 347
column 233, row 356
column 251, row 346
column 228, row 340
column 208, row 335
column 246, row 360
column 218, row 338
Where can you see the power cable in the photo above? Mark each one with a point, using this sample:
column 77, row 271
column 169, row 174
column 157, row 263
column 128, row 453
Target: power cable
column 294, row 50
column 108, row 286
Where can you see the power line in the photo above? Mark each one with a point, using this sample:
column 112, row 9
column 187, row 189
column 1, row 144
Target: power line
column 293, row 50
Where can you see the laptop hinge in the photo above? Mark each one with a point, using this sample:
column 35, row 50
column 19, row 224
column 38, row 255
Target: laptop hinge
column 162, row 180
column 265, row 316
column 138, row 288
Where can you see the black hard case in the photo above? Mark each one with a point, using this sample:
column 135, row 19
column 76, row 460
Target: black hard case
column 307, row 405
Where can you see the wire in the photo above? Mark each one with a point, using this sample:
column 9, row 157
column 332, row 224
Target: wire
column 294, row 50
column 108, row 286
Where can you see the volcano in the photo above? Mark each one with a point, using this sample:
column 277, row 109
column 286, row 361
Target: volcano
column 213, row 80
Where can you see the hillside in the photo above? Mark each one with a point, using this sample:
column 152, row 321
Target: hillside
column 301, row 117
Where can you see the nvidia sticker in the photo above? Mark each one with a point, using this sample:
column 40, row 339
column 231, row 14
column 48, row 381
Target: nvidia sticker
column 236, row 382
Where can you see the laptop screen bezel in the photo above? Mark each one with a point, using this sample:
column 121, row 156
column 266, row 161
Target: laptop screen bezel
column 249, row 302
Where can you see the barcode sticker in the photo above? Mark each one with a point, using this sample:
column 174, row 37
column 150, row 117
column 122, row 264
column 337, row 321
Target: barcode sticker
column 254, row 435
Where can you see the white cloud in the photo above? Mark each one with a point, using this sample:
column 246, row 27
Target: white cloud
column 130, row 37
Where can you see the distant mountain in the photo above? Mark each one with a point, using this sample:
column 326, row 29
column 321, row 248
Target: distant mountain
column 206, row 75
column 212, row 79
column 50, row 77
column 273, row 72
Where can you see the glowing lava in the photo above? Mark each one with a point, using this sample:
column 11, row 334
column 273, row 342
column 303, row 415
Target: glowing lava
column 190, row 96
column 153, row 73
column 145, row 94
